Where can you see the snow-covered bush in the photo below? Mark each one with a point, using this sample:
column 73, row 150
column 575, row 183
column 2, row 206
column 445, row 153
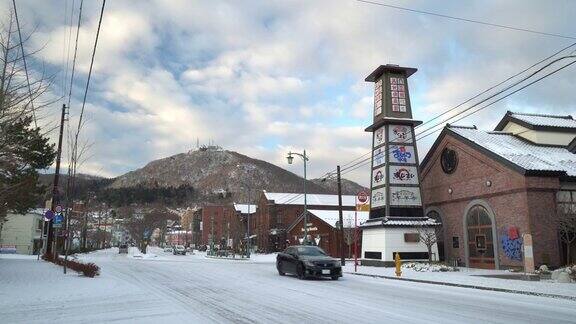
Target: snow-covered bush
column 88, row 269
column 428, row 267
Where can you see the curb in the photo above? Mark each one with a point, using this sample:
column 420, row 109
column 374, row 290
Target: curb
column 224, row 258
column 510, row 291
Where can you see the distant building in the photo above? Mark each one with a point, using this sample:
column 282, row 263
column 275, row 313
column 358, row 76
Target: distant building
column 220, row 226
column 246, row 217
column 489, row 188
column 324, row 231
column 22, row 233
column 277, row 212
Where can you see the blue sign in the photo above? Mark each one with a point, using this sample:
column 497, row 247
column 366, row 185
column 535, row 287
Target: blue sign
column 49, row 214
column 58, row 220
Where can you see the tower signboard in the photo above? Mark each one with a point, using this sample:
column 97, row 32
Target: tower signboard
column 396, row 198
column 395, row 184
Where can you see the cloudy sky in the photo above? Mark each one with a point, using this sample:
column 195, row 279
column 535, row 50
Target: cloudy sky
column 266, row 77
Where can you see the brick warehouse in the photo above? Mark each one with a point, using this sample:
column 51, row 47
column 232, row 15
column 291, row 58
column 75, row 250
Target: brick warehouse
column 323, row 229
column 278, row 211
column 489, row 188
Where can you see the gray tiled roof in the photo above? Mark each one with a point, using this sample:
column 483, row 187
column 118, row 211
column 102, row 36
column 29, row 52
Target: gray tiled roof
column 545, row 120
column 522, row 153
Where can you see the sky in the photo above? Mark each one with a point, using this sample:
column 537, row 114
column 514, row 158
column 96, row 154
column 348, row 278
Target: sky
column 266, row 77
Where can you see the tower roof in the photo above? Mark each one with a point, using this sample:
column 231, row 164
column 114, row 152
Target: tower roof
column 389, row 67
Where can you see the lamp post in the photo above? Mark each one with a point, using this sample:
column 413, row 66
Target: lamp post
column 248, row 239
column 290, row 159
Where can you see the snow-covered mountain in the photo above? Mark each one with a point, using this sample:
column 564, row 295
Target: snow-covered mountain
column 220, row 171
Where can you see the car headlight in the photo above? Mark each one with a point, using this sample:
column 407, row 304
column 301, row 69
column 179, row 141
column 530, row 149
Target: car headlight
column 309, row 264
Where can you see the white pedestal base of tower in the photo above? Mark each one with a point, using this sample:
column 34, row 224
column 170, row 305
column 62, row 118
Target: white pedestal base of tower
column 379, row 244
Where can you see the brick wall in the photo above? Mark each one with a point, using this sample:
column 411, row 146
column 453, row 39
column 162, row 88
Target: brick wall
column 515, row 200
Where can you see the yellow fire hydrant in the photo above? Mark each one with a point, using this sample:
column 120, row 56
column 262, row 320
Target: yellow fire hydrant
column 398, row 263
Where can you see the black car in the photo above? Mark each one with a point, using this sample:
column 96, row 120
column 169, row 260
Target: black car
column 308, row 261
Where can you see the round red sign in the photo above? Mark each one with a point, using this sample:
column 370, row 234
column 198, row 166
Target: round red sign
column 362, row 197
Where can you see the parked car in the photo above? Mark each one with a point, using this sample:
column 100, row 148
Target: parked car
column 123, row 248
column 308, row 261
column 168, row 249
column 179, row 249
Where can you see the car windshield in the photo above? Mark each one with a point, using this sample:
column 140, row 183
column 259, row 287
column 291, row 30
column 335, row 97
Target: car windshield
column 311, row 251
column 179, row 247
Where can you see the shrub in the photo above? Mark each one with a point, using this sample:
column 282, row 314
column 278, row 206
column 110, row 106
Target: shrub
column 88, row 269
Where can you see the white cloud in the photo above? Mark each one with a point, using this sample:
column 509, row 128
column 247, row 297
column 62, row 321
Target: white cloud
column 266, row 77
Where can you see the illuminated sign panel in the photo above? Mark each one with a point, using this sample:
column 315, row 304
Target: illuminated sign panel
column 400, row 174
column 378, row 198
column 405, row 196
column 379, row 136
column 379, row 176
column 400, row 134
column 402, row 154
column 378, row 157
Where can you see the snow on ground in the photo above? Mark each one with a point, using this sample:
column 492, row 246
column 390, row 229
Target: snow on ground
column 195, row 289
column 468, row 276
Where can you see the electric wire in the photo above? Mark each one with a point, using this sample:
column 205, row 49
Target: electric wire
column 474, row 21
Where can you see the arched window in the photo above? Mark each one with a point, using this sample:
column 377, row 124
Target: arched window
column 480, row 238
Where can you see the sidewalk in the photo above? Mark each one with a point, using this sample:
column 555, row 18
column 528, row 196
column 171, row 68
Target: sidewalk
column 471, row 278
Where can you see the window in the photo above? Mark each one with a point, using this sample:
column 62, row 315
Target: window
column 411, row 237
column 455, row 242
column 449, row 161
column 566, row 200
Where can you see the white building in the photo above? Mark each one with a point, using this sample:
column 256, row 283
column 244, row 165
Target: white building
column 21, row 234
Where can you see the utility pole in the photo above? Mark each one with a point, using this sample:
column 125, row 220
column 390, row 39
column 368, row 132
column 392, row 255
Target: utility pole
column 55, row 194
column 340, row 218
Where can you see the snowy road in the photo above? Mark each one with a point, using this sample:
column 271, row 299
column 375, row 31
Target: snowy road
column 194, row 289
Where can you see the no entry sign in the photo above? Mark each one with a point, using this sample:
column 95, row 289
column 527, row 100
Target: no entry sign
column 362, row 202
column 362, row 197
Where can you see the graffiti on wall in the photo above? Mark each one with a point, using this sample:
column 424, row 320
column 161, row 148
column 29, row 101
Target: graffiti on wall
column 512, row 243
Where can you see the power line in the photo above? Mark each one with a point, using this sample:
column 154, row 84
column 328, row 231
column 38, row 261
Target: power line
column 88, row 81
column 487, row 105
column 75, row 54
column 331, row 173
column 25, row 66
column 467, row 20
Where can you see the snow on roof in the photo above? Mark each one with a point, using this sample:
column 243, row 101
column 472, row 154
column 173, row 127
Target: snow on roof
column 312, row 199
column 243, row 208
column 403, row 221
column 332, row 216
column 522, row 153
column 545, row 120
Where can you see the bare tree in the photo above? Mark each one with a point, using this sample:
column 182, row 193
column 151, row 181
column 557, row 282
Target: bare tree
column 566, row 222
column 141, row 221
column 429, row 233
column 349, row 235
column 24, row 146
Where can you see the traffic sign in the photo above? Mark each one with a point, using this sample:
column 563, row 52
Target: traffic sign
column 49, row 214
column 58, row 208
column 362, row 201
column 58, row 220
column 362, row 197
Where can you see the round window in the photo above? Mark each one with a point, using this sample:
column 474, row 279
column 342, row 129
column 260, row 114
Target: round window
column 449, row 161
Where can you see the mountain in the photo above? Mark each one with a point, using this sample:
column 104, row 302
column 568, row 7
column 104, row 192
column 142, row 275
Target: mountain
column 348, row 187
column 215, row 171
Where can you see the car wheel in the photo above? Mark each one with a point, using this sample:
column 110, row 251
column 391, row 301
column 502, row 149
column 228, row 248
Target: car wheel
column 300, row 272
column 335, row 278
column 279, row 267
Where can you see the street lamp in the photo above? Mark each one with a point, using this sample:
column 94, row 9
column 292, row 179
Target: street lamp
column 290, row 159
column 248, row 239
